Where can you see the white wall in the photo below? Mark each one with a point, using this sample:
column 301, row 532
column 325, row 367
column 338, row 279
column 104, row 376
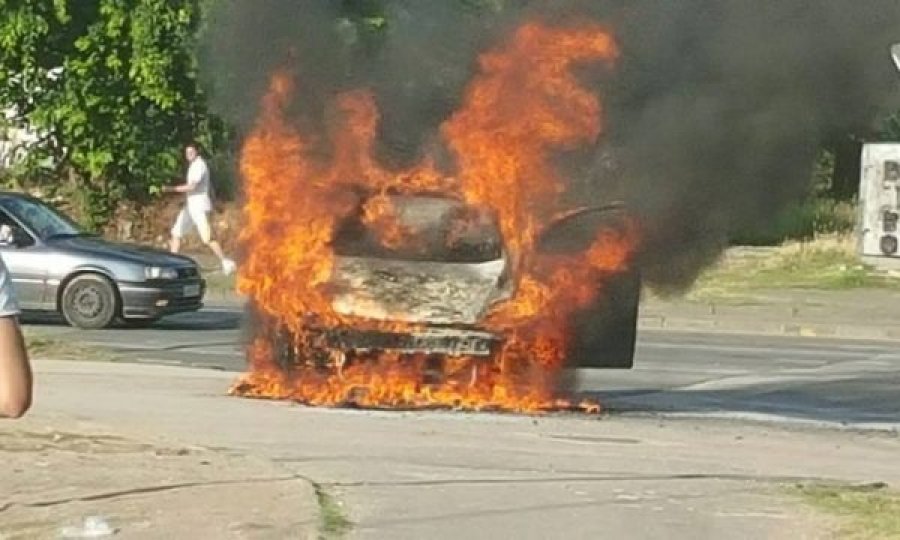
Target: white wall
column 879, row 201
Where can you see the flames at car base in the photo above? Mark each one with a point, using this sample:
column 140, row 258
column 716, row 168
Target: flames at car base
column 486, row 331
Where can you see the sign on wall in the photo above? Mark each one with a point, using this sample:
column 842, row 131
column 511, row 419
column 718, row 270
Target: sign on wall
column 879, row 198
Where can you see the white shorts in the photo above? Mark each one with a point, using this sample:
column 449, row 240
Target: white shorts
column 192, row 217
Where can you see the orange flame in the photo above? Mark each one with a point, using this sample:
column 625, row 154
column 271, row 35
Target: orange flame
column 380, row 215
column 525, row 105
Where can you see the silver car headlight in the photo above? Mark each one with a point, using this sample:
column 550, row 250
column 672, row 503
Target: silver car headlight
column 158, row 272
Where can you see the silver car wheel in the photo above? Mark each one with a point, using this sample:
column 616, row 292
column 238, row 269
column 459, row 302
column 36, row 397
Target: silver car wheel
column 90, row 301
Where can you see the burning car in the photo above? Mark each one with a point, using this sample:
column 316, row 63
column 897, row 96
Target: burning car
column 442, row 274
column 469, row 278
column 422, row 277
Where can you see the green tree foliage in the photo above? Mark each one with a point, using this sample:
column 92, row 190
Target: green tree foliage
column 111, row 86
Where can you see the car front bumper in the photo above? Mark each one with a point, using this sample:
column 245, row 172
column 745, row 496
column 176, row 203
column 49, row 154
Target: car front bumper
column 156, row 299
column 429, row 340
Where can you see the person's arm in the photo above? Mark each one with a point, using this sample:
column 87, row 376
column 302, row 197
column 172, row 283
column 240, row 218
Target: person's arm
column 181, row 188
column 15, row 370
column 194, row 176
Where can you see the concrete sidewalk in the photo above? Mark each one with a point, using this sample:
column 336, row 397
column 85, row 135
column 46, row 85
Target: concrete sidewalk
column 853, row 314
column 161, row 452
column 67, row 473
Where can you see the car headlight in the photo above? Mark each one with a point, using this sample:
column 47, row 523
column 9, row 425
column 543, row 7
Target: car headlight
column 157, row 272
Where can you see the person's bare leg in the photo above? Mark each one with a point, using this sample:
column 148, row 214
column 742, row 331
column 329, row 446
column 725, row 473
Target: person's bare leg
column 203, row 227
column 15, row 370
column 217, row 249
column 228, row 266
column 182, row 223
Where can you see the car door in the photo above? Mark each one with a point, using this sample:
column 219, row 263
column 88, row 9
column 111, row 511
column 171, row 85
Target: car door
column 27, row 262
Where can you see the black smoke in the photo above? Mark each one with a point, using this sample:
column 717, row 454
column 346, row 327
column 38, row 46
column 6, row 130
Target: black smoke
column 714, row 114
column 722, row 106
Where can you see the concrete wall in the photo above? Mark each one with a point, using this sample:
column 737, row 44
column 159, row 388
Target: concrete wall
column 879, row 197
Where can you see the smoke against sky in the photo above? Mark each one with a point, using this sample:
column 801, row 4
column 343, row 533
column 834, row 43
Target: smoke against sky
column 715, row 112
column 720, row 108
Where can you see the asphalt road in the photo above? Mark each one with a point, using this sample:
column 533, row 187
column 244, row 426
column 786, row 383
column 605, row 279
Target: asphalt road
column 637, row 473
column 836, row 382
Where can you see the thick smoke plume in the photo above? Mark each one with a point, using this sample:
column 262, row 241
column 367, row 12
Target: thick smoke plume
column 714, row 114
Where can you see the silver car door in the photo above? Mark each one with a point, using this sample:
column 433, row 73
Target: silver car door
column 26, row 261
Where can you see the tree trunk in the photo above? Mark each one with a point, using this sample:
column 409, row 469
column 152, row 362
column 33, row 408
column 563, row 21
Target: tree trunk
column 847, row 163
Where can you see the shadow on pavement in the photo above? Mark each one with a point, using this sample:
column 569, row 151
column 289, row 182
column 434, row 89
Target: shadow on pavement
column 201, row 320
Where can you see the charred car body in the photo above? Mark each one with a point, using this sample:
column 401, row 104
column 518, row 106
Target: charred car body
column 428, row 290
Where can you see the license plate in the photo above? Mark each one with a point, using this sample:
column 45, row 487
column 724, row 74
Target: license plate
column 191, row 291
column 428, row 343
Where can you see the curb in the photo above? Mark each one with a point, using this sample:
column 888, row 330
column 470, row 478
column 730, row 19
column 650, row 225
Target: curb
column 770, row 328
column 724, row 325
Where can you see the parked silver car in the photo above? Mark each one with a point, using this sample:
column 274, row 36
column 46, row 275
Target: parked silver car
column 56, row 266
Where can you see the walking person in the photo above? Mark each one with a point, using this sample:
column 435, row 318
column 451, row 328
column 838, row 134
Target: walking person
column 15, row 370
column 197, row 207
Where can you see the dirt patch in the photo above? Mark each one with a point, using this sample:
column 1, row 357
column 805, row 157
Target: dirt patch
column 55, row 479
column 43, row 346
column 49, row 441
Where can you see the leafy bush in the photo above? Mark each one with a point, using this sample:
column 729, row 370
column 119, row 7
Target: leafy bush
column 111, row 88
column 804, row 221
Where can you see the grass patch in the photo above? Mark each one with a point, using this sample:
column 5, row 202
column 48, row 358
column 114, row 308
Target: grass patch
column 825, row 263
column 42, row 346
column 217, row 283
column 804, row 221
column 333, row 522
column 220, row 284
column 865, row 512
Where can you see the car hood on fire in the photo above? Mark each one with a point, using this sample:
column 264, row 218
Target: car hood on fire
column 417, row 292
column 131, row 253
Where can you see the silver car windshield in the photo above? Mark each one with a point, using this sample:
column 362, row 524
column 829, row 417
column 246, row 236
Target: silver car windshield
column 45, row 221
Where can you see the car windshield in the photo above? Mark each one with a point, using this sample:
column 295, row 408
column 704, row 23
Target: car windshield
column 44, row 220
column 419, row 229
